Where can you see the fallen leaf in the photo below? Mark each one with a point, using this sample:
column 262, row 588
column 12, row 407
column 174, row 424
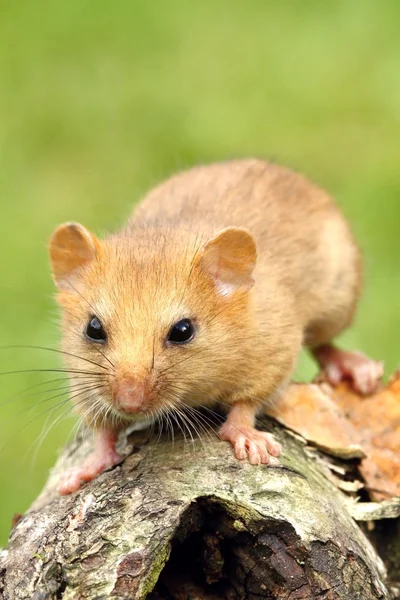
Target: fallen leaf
column 346, row 425
column 311, row 412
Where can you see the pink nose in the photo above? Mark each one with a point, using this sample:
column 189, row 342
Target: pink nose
column 128, row 394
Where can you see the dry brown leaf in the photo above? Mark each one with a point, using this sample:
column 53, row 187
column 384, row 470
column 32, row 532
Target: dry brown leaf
column 378, row 419
column 311, row 412
column 347, row 425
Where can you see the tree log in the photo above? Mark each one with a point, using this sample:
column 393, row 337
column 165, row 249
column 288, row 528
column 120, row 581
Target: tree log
column 186, row 520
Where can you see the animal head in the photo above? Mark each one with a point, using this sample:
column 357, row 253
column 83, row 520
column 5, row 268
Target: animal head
column 152, row 319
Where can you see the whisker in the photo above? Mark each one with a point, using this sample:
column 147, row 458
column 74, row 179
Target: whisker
column 32, row 387
column 99, row 412
column 69, row 371
column 198, row 428
column 170, row 427
column 175, row 416
column 160, row 421
column 75, row 430
column 153, row 357
column 220, row 417
column 104, row 356
column 78, row 332
column 200, row 422
column 81, row 420
column 185, row 422
column 81, row 295
column 46, row 430
column 52, row 408
column 66, row 391
column 16, row 347
column 203, row 421
column 153, row 423
column 27, row 390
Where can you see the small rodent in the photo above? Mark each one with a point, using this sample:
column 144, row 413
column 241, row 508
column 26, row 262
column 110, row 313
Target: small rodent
column 208, row 294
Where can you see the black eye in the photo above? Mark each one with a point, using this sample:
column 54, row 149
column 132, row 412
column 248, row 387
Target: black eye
column 181, row 332
column 95, row 332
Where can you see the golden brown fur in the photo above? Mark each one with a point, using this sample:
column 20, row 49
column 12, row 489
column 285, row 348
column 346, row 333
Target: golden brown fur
column 303, row 240
column 307, row 281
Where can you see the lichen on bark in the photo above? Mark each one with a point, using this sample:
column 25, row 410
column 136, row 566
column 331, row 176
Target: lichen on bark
column 187, row 518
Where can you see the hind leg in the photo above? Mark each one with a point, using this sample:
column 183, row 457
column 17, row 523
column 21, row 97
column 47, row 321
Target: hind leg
column 338, row 365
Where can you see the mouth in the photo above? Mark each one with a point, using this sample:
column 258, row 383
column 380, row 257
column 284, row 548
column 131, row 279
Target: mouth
column 132, row 420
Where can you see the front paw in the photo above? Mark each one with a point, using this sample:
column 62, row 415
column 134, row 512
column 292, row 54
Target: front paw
column 259, row 447
column 74, row 478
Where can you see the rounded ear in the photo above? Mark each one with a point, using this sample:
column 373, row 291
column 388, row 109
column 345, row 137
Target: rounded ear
column 229, row 259
column 71, row 247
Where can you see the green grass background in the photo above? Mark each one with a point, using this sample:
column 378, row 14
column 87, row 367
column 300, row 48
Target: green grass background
column 100, row 100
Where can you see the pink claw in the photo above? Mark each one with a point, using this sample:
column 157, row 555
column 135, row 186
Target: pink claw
column 248, row 442
column 363, row 373
column 104, row 457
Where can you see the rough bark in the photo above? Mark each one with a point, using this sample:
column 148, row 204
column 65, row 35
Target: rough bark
column 188, row 521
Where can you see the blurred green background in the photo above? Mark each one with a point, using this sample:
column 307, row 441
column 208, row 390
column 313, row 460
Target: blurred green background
column 100, row 100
